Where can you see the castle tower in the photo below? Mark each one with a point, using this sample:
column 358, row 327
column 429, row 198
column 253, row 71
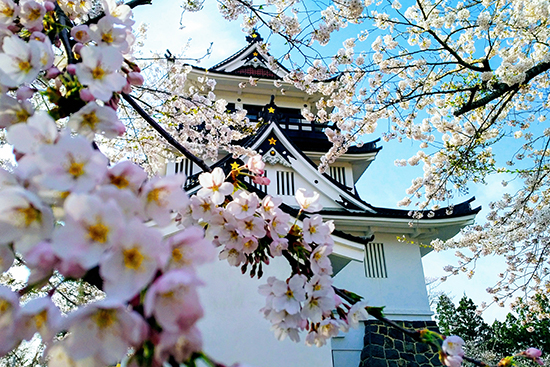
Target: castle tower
column 368, row 258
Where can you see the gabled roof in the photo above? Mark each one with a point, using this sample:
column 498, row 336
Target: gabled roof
column 275, row 146
column 251, row 61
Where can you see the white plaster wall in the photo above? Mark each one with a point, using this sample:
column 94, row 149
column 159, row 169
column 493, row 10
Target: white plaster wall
column 235, row 331
column 403, row 292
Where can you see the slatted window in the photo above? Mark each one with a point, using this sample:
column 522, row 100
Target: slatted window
column 285, row 183
column 339, row 174
column 375, row 261
column 262, row 188
column 185, row 166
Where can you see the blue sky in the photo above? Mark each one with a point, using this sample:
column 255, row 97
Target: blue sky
column 383, row 184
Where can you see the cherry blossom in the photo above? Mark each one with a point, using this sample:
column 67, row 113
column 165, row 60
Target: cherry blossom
column 9, row 310
column 132, row 262
column 214, row 186
column 308, row 200
column 98, row 71
column 173, row 300
column 20, row 61
column 104, row 330
column 161, row 195
column 72, row 165
column 287, row 297
column 93, row 118
column 24, row 219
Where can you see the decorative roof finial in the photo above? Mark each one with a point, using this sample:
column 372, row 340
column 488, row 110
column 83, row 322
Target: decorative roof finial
column 254, row 37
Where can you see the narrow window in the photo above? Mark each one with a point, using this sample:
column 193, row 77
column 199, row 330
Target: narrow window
column 375, row 261
column 285, row 183
column 184, row 166
column 339, row 174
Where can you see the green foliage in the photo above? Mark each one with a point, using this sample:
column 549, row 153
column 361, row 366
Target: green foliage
column 523, row 330
column 463, row 321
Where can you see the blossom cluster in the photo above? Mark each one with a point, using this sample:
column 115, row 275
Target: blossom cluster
column 250, row 231
column 454, row 77
column 66, row 211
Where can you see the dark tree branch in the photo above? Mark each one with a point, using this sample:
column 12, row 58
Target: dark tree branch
column 501, row 88
column 132, row 4
column 169, row 138
column 64, row 34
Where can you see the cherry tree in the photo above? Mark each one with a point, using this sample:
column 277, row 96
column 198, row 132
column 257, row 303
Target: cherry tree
column 76, row 218
column 466, row 80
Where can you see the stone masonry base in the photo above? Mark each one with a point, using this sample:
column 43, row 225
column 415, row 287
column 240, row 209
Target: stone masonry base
column 388, row 347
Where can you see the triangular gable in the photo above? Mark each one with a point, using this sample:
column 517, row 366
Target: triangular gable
column 250, row 61
column 275, row 147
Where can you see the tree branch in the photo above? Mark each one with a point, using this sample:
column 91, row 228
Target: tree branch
column 503, row 88
column 169, row 138
column 132, row 4
column 64, row 34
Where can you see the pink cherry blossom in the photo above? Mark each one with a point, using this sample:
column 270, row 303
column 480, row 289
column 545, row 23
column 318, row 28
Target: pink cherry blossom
column 31, row 15
column 320, row 262
column 126, row 175
column 92, row 227
column 71, row 165
column 189, row 248
column 24, row 219
column 243, row 205
column 162, row 195
column 40, row 129
column 452, row 361
column 179, row 345
column 173, row 300
column 39, row 315
column 104, row 330
column 8, row 11
column 357, row 313
column 214, row 186
column 104, row 33
column 534, row 354
column 130, row 265
column 9, row 311
column 81, row 33
column 452, row 345
column 315, row 230
column 256, row 165
column 308, row 200
column 13, row 111
column 99, row 71
column 20, row 62
column 93, row 118
column 287, row 296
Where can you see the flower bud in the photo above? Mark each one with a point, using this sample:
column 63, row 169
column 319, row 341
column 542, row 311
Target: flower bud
column 49, row 6
column 24, row 92
column 86, row 95
column 52, row 73
column 77, row 47
column 127, row 88
column 260, row 180
column 135, row 78
column 71, row 69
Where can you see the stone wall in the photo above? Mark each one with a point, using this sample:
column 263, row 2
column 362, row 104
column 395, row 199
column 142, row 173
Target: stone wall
column 388, row 347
